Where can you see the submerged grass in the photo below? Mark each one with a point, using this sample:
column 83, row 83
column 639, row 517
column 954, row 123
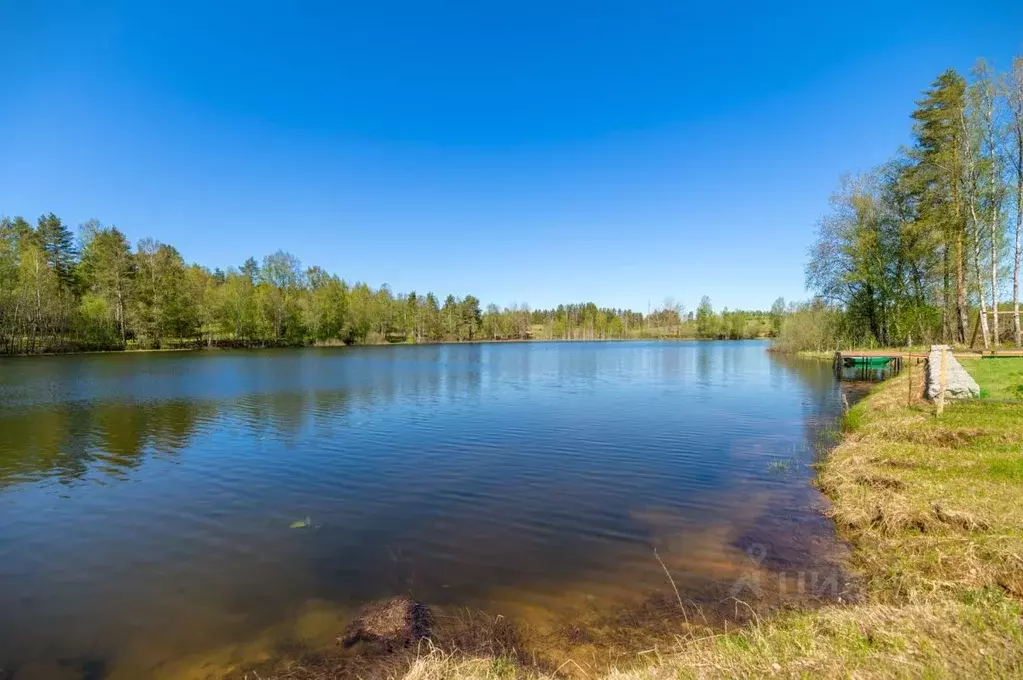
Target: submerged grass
column 932, row 508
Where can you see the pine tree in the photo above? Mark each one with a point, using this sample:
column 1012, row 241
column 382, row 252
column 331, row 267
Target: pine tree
column 936, row 178
column 58, row 244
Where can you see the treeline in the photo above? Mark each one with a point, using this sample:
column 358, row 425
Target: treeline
column 589, row 322
column 62, row 294
column 927, row 246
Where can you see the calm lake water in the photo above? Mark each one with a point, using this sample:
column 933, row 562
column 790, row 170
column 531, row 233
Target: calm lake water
column 147, row 500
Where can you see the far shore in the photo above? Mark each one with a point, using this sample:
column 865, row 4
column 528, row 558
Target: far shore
column 339, row 345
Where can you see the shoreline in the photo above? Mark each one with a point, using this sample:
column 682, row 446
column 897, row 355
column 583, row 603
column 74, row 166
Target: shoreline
column 216, row 348
column 929, row 508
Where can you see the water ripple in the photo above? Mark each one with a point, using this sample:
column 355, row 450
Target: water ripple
column 136, row 491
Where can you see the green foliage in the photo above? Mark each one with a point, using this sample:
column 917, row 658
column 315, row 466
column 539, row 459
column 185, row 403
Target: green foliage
column 912, row 251
column 777, row 316
column 865, row 263
column 814, row 327
column 56, row 241
column 104, row 295
column 705, row 321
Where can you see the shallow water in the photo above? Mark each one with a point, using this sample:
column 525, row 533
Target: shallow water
column 147, row 500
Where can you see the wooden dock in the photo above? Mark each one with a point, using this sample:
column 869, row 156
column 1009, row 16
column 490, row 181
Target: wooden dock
column 869, row 359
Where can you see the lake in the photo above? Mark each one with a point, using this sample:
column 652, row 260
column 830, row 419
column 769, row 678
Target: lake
column 167, row 512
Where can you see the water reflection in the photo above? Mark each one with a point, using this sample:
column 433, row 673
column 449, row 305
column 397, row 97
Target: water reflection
column 865, row 373
column 146, row 500
column 66, row 443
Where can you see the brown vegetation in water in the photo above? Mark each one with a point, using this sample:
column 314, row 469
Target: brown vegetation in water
column 388, row 625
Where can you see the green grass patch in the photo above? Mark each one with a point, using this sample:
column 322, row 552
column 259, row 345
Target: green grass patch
column 853, row 419
column 1009, row 469
column 817, row 356
column 999, row 378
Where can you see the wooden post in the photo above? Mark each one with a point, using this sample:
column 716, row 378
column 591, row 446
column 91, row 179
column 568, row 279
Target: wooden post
column 909, row 398
column 941, row 384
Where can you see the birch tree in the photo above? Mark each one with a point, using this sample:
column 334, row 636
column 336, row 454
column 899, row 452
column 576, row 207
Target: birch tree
column 1013, row 93
column 975, row 170
column 995, row 191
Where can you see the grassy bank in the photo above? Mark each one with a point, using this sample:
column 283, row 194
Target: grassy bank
column 830, row 355
column 818, row 356
column 932, row 509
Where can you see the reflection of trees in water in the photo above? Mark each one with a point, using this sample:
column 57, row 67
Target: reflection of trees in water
column 42, row 442
column 724, row 359
column 865, row 374
column 579, row 363
column 822, row 405
column 462, row 370
column 816, row 375
column 67, row 441
column 513, row 362
column 704, row 362
column 669, row 361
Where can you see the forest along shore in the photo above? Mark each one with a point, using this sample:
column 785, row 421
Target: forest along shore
column 191, row 346
column 59, row 294
column 931, row 509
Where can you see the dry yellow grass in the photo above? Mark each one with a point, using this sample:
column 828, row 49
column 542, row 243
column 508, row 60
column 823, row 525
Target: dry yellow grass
column 948, row 638
column 932, row 505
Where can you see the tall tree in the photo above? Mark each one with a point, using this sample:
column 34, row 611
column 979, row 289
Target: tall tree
column 250, row 270
column 985, row 189
column 937, row 180
column 431, row 317
column 777, row 315
column 281, row 279
column 470, row 318
column 412, row 316
column 325, row 305
column 161, row 306
column 201, row 314
column 705, row 318
column 59, row 245
column 108, row 271
column 974, row 172
column 1014, row 104
column 995, row 189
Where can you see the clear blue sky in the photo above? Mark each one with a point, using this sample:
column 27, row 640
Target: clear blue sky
column 529, row 151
